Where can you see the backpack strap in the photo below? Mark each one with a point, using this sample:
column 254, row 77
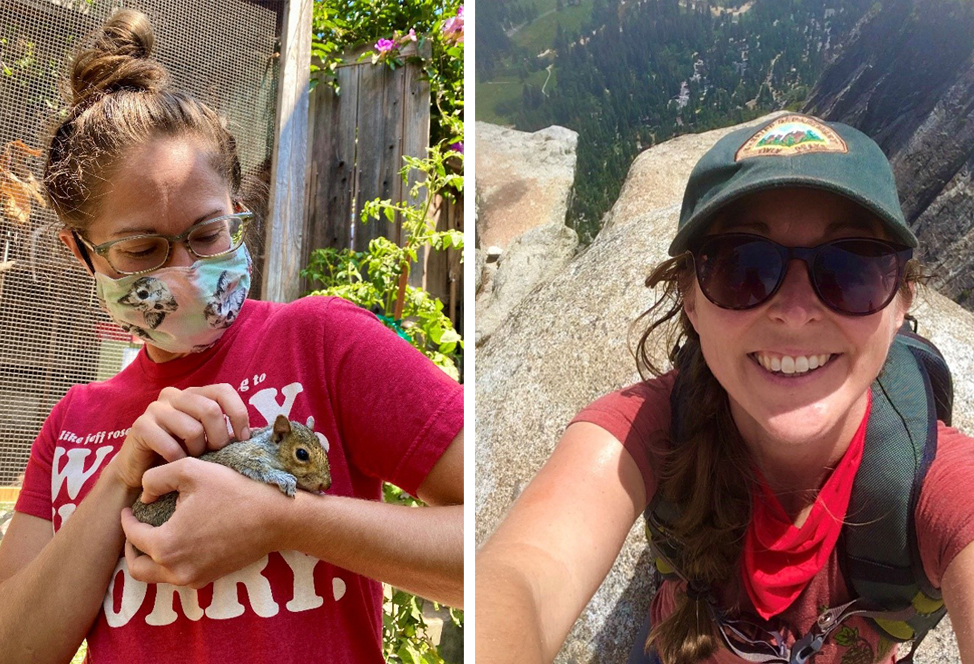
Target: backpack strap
column 881, row 559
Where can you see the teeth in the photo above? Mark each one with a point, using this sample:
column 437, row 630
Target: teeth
column 792, row 365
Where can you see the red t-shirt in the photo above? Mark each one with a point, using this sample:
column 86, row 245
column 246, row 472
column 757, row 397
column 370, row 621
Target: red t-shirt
column 384, row 412
column 639, row 417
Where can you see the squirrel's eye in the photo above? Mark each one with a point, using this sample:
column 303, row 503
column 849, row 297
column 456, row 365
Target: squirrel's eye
column 302, row 454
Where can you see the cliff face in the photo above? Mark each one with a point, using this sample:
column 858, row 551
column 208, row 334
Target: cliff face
column 905, row 76
column 524, row 182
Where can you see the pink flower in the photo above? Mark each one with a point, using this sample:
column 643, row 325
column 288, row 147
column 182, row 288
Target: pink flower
column 453, row 28
column 385, row 45
column 410, row 36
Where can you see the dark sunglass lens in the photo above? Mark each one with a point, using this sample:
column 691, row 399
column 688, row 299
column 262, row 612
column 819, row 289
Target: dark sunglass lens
column 856, row 276
column 738, row 272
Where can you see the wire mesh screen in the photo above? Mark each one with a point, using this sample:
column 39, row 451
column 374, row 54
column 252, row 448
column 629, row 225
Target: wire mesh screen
column 52, row 333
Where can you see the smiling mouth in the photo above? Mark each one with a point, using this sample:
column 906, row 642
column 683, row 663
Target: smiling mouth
column 792, row 365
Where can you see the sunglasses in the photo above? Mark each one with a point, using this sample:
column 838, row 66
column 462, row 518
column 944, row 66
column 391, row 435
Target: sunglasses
column 851, row 276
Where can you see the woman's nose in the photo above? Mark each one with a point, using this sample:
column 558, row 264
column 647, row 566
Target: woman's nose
column 180, row 256
column 796, row 302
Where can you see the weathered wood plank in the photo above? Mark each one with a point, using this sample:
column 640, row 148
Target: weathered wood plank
column 379, row 152
column 333, row 156
column 285, row 241
column 442, row 271
column 416, row 135
column 358, row 139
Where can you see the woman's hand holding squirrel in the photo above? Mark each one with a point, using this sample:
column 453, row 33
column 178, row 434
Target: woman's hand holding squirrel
column 180, row 423
column 224, row 522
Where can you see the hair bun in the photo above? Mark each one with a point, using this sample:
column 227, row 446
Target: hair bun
column 118, row 56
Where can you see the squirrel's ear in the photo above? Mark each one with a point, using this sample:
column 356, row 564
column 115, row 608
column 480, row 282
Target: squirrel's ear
column 281, row 428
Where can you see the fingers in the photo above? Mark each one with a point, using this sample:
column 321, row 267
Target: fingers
column 211, row 406
column 142, row 566
column 181, row 423
column 164, row 427
column 161, row 480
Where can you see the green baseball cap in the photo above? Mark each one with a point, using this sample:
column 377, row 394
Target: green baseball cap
column 791, row 151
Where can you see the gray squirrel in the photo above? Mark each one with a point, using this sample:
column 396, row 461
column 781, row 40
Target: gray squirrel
column 286, row 454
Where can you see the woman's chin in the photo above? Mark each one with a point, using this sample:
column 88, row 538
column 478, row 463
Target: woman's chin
column 822, row 420
column 789, row 425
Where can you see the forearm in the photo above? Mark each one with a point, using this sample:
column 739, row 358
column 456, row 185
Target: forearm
column 508, row 629
column 64, row 586
column 418, row 549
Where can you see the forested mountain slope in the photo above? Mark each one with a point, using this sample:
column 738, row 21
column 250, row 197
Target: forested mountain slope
column 906, row 77
column 641, row 71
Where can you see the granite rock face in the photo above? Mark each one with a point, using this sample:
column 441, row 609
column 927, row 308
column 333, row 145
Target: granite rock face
column 565, row 344
column 524, row 181
column 905, row 76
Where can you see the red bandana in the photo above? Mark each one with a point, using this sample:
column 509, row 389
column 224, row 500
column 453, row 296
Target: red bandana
column 779, row 559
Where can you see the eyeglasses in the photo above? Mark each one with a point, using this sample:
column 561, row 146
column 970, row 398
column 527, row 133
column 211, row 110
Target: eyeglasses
column 139, row 254
column 851, row 276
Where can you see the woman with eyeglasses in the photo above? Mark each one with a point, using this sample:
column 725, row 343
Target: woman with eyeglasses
column 146, row 181
column 803, row 501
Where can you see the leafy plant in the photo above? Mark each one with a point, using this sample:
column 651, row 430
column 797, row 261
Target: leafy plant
column 341, row 26
column 377, row 279
column 405, row 633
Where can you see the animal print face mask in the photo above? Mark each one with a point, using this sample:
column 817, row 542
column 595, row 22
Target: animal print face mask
column 179, row 309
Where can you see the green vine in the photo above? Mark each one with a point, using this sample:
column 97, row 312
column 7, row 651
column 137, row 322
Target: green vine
column 375, row 279
column 341, row 26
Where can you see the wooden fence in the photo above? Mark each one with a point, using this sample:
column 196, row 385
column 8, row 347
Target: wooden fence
column 357, row 142
column 442, row 273
column 357, row 139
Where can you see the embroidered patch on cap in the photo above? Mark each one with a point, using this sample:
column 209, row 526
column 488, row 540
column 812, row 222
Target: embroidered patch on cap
column 791, row 135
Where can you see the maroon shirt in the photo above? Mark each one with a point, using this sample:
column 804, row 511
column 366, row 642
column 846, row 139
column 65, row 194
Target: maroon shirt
column 382, row 411
column 639, row 417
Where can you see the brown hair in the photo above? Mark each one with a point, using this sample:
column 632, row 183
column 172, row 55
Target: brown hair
column 707, row 471
column 119, row 99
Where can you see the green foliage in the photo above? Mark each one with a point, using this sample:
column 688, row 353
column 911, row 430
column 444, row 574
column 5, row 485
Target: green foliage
column 340, row 26
column 371, row 278
column 404, row 630
column 29, row 73
column 638, row 74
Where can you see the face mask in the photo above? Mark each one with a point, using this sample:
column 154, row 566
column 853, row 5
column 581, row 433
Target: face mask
column 179, row 309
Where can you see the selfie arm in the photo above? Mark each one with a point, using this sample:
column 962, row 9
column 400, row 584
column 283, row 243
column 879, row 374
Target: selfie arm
column 549, row 556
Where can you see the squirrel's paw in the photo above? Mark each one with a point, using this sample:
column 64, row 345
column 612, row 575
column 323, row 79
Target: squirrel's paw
column 286, row 482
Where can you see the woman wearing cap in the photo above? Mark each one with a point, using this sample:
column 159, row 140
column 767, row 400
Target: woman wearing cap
column 790, row 279
column 146, row 181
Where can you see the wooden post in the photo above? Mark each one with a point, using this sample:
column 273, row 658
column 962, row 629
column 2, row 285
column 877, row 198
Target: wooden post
column 284, row 239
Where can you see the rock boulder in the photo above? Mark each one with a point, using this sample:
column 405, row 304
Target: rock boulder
column 524, row 181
